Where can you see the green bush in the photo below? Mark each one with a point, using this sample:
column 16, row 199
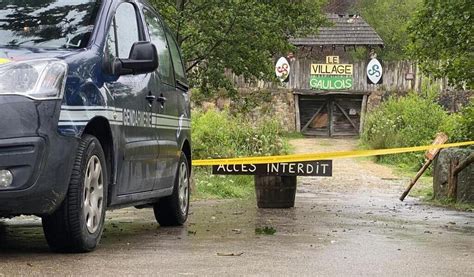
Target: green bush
column 217, row 134
column 460, row 127
column 404, row 122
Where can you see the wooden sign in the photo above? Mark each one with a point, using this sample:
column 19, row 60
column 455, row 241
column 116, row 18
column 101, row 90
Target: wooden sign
column 332, row 75
column 282, row 69
column 313, row 168
column 330, row 82
column 332, row 69
column 374, row 72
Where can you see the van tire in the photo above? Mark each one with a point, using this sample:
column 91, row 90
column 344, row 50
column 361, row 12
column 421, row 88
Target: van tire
column 173, row 210
column 76, row 227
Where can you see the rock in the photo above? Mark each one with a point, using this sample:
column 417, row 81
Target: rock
column 465, row 188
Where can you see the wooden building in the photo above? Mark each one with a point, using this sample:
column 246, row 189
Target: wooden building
column 331, row 88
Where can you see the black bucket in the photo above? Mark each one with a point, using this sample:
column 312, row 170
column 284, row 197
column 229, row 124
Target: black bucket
column 275, row 192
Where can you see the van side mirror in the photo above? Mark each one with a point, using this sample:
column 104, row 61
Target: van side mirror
column 143, row 59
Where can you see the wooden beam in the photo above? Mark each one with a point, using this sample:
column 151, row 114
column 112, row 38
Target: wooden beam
column 413, row 182
column 464, row 163
column 430, row 156
column 363, row 111
column 312, row 118
column 346, row 115
column 331, row 116
column 455, row 167
column 297, row 112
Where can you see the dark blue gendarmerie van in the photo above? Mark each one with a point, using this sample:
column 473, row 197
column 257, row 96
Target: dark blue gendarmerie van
column 94, row 115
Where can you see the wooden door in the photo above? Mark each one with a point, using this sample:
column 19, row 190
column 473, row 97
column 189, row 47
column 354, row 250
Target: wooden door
column 330, row 115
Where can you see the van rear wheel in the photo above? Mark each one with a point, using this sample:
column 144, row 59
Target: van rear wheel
column 78, row 224
column 173, row 210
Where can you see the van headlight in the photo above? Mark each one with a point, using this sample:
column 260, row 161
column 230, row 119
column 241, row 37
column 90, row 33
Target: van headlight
column 36, row 79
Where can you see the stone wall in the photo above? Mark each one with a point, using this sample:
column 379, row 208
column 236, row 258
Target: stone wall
column 465, row 188
column 277, row 103
column 274, row 103
column 283, row 103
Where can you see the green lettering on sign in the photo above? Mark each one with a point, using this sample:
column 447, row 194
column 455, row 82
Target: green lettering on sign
column 331, row 82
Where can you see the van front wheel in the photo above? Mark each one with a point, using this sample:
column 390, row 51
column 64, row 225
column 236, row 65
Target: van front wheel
column 78, row 224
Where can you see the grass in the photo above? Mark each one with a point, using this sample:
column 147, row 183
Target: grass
column 293, row 135
column 269, row 231
column 210, row 186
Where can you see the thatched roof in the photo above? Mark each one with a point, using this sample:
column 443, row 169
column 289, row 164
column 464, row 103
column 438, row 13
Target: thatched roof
column 346, row 31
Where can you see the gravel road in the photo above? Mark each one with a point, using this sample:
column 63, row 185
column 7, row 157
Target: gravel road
column 351, row 224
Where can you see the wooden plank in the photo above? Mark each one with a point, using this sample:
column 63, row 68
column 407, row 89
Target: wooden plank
column 331, row 116
column 363, row 111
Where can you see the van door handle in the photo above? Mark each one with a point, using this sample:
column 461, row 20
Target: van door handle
column 162, row 100
column 151, row 98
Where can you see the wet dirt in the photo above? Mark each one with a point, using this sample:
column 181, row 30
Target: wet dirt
column 351, row 224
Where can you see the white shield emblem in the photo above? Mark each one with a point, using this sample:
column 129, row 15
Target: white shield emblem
column 374, row 71
column 282, row 69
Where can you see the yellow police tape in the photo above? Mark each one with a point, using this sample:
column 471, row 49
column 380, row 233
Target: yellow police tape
column 324, row 156
column 2, row 60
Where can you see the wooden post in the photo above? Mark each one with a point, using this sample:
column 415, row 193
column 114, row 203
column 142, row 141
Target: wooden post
column 331, row 116
column 454, row 169
column 297, row 112
column 363, row 111
column 452, row 180
column 430, row 155
column 413, row 182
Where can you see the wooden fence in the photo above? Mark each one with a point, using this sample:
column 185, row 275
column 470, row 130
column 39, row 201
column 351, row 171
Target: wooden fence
column 398, row 76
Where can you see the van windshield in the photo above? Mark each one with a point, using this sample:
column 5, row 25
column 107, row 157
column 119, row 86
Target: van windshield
column 47, row 23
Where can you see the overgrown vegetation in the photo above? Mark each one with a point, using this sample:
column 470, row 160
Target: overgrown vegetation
column 413, row 120
column 390, row 18
column 460, row 126
column 219, row 134
column 242, row 36
column 441, row 40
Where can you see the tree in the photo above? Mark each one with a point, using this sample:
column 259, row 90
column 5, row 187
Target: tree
column 390, row 19
column 26, row 23
column 239, row 35
column 442, row 40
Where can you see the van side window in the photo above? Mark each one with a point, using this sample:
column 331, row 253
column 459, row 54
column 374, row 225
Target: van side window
column 177, row 60
column 111, row 43
column 158, row 38
column 124, row 32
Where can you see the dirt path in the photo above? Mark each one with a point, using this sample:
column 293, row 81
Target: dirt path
column 349, row 174
column 349, row 225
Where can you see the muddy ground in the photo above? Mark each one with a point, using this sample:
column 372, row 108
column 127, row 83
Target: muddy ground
column 351, row 224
